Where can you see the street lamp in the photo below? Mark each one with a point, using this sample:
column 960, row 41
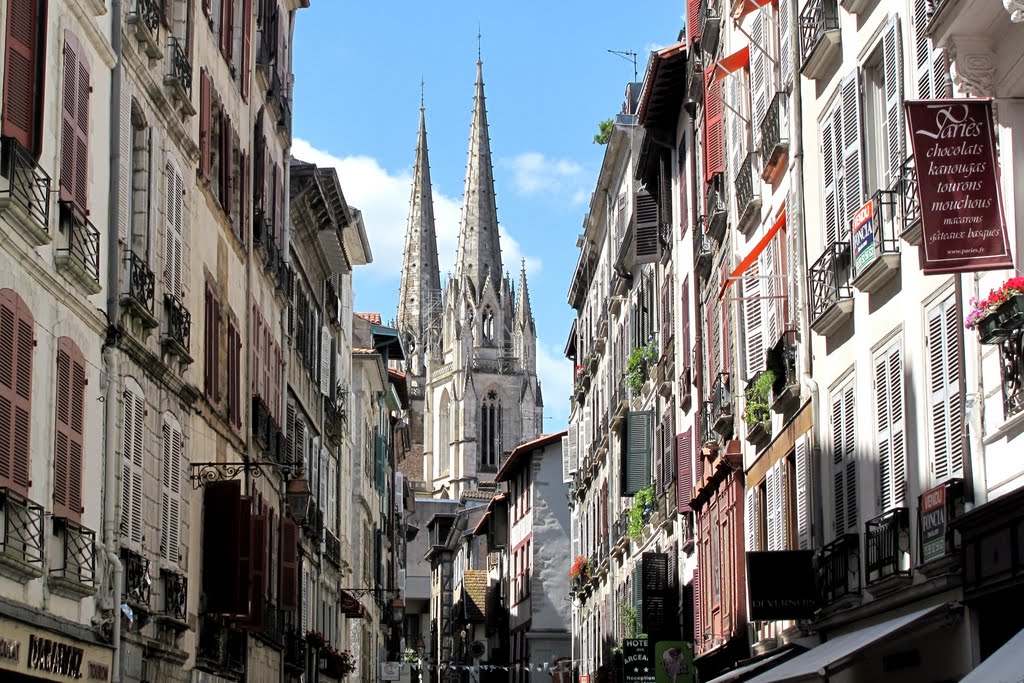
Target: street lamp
column 397, row 610
column 298, row 495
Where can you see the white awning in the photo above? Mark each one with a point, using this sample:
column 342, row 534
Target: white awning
column 749, row 669
column 1002, row 666
column 832, row 653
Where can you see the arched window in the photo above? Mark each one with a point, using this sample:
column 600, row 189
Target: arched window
column 490, row 431
column 444, row 435
column 488, row 324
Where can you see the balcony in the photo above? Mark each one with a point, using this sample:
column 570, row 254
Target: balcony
column 831, row 294
column 179, row 328
column 838, row 570
column 703, row 250
column 264, row 429
column 294, row 650
column 285, row 279
column 332, row 549
column 21, row 536
column 721, row 405
column 274, row 628
column 748, row 196
column 175, row 595
column 711, row 24
column 145, row 18
column 179, row 75
column 276, row 97
column 79, row 258
column 782, row 361
column 694, row 76
column 139, row 286
column 716, row 213
column 76, row 576
column 335, row 417
column 887, row 546
column 137, row 580
column 707, row 437
column 910, row 203
column 24, row 192
column 819, row 36
column 938, row 544
column 263, row 235
column 775, row 138
column 313, row 527
column 332, row 305
column 220, row 647
column 876, row 246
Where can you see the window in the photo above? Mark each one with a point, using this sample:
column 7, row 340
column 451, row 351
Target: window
column 211, row 347
column 24, row 60
column 883, row 112
column 74, row 136
column 888, row 374
column 140, row 172
column 234, row 376
column 134, row 428
column 444, row 422
column 842, row 187
column 69, row 431
column 170, row 488
column 174, row 217
column 844, row 463
column 490, row 431
column 945, row 414
column 488, row 324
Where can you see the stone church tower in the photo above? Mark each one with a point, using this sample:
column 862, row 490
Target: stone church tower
column 471, row 347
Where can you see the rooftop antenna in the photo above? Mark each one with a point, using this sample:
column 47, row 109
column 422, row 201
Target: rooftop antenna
column 629, row 56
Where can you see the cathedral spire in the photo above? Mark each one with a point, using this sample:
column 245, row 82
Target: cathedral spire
column 524, row 314
column 420, row 291
column 479, row 252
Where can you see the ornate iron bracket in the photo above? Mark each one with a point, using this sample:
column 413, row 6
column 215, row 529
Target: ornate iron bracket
column 1011, row 367
column 202, row 473
column 360, row 592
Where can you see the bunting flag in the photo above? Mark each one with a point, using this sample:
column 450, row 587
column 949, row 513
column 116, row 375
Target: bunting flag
column 742, row 9
column 731, row 64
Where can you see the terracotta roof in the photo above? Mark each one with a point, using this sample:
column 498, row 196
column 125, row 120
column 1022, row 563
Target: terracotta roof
column 360, row 351
column 474, row 586
column 397, row 377
column 520, row 452
column 412, row 464
column 479, row 528
column 372, row 318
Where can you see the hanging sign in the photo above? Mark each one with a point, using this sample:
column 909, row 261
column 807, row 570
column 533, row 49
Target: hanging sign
column 962, row 220
column 864, row 248
column 636, row 661
column 673, row 662
column 780, row 584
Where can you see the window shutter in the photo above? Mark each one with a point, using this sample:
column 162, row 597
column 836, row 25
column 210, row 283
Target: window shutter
column 21, row 83
column 208, row 335
column 684, row 456
column 243, row 587
column 243, row 196
column 325, row 361
column 658, row 464
column 947, row 419
column 221, row 548
column 69, row 410
column 693, row 24
column 637, row 588
column 803, row 493
column 759, row 66
column 752, row 518
column 574, row 447
column 332, row 495
column 638, row 450
column 131, row 471
column 668, row 459
column 844, row 465
column 929, row 63
column 889, row 411
column 698, row 603
column 226, row 28
column 684, row 306
column 258, row 571
column 773, row 513
column 646, row 245
column 892, row 51
column 17, row 342
column 655, row 592
column 287, row 598
column 290, row 427
column 170, row 504
column 853, row 178
column 74, row 142
column 265, row 382
column 753, row 327
column 173, row 259
column 205, row 123
column 246, row 45
column 714, row 144
column 276, row 408
column 830, row 200
column 739, row 103
column 771, row 288
column 257, row 334
column 785, row 43
column 566, row 476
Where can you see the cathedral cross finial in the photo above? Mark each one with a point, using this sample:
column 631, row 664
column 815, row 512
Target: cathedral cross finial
column 421, row 92
column 479, row 44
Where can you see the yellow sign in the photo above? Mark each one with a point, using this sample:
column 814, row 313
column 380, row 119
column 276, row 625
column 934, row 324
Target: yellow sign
column 50, row 656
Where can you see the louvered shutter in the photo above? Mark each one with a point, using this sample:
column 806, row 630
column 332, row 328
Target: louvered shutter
column 947, row 418
column 646, row 245
column 753, row 321
column 890, row 427
column 290, row 427
column 785, row 43
column 125, row 164
column 267, row 344
column 205, row 123
column 752, row 518
column 759, row 71
column 637, row 589
column 773, row 513
column 21, row 82
column 655, row 592
column 287, row 598
column 892, row 51
column 929, row 64
column 693, row 23
column 256, row 345
column 853, row 177
column 258, row 571
column 226, row 28
column 170, row 501
column 668, row 456
column 771, row 288
column 275, row 407
column 324, row 475
column 221, row 545
column 325, row 361
column 698, row 605
column 638, row 450
column 844, row 468
column 332, row 495
column 566, row 476
column 17, row 341
column 658, row 460
column 714, row 144
column 74, row 142
column 574, row 447
column 246, row 45
column 803, row 494
column 69, row 412
column 684, row 467
column 131, row 471
column 243, row 567
column 173, row 232
column 830, row 200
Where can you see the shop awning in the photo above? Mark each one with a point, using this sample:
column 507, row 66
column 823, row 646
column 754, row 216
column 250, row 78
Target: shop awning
column 780, row 222
column 749, row 6
column 832, row 655
column 731, row 64
column 744, row 673
column 1002, row 666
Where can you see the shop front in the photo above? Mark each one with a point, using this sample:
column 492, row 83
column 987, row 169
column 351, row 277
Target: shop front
column 30, row 654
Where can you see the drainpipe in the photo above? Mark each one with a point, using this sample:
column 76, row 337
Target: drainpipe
column 110, row 355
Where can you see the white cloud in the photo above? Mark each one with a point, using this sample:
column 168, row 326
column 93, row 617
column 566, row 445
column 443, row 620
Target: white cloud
column 533, row 173
column 555, row 374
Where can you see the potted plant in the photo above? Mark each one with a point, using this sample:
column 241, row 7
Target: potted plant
column 579, row 572
column 757, row 414
column 641, row 510
column 639, row 364
column 999, row 314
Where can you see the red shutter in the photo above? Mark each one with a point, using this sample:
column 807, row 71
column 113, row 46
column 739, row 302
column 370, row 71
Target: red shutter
column 69, row 431
column 221, row 508
column 208, row 343
column 224, row 167
column 205, row 121
column 243, row 566
column 246, row 41
column 74, row 140
column 243, row 196
column 216, row 350
column 226, row 28
column 288, row 596
column 267, row 352
column 17, row 342
column 21, row 82
column 257, row 578
column 714, row 142
column 684, row 306
column 693, row 24
column 208, row 8
column 684, row 451
column 257, row 333
column 259, row 161
column 698, row 471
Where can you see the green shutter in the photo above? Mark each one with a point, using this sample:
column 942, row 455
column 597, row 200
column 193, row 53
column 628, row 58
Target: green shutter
column 638, row 451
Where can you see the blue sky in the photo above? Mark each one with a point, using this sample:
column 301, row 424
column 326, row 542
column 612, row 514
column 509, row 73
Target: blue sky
column 549, row 80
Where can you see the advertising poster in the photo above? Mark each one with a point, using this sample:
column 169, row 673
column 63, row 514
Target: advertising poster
column 673, row 662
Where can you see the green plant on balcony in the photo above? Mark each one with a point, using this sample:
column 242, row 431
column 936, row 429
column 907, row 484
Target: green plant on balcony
column 631, row 621
column 639, row 364
column 641, row 511
column 758, row 409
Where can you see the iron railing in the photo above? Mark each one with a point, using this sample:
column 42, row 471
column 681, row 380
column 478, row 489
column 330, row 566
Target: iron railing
column 829, row 281
column 314, row 524
column 179, row 322
column 294, row 650
column 869, row 244
column 175, row 595
column 775, row 130
column 285, row 279
column 838, row 568
column 710, row 22
column 179, row 66
column 782, row 361
column 78, row 552
column 273, row 629
column 151, row 13
column 721, row 405
column 263, row 232
column 817, row 18
column 332, row 549
column 335, row 418
column 911, row 200
column 703, row 249
column 715, row 208
column 27, row 185
column 221, row 647
column 1011, row 369
column 887, row 545
column 748, row 193
column 137, row 580
column 707, row 434
column 140, row 281
column 264, row 428
column 21, row 529
column 82, row 250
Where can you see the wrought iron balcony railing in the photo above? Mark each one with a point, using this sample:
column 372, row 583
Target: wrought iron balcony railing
column 179, row 326
column 748, row 194
column 294, row 650
column 221, row 647
column 285, row 279
column 179, row 68
column 716, row 213
column 263, row 233
column 146, row 16
column 838, row 568
column 876, row 245
column 819, row 32
column 703, row 249
column 721, row 405
column 273, row 630
column 21, row 534
column 140, row 285
column 332, row 549
column 1011, row 371
column 263, row 427
column 711, row 23
column 314, row 524
column 910, row 203
column 887, row 541
column 78, row 556
column 707, row 436
column 775, row 135
column 335, row 418
column 831, row 293
column 175, row 595
column 25, row 188
column 137, row 579
column 79, row 257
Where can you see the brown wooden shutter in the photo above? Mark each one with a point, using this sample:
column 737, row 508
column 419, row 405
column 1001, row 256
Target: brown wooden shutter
column 221, row 511
column 205, row 121
column 243, row 196
column 227, row 28
column 267, row 346
column 684, row 490
column 210, row 336
column 259, row 161
column 279, row 217
column 258, row 572
column 243, row 566
column 287, row 597
column 74, row 141
column 23, row 53
column 69, row 430
column 714, row 141
column 276, row 399
column 17, row 342
column 246, row 45
column 693, row 24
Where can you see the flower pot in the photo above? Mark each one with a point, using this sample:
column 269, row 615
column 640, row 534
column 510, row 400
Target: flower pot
column 1011, row 313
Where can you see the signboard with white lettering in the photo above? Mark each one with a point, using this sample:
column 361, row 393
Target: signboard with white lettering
column 636, row 661
column 962, row 220
column 48, row 656
column 780, row 585
column 864, row 247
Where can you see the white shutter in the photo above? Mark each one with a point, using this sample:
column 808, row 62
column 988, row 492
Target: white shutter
column 930, row 65
column 325, row 474
column 131, row 472
column 771, row 287
column 892, row 50
column 759, row 66
column 946, row 423
column 752, row 517
column 173, row 230
column 170, row 508
column 588, row 432
column 737, row 127
column 830, row 198
column 785, row 43
column 574, row 447
column 844, row 464
column 890, row 426
column 773, row 486
column 566, row 475
column 803, row 492
column 332, row 496
column 853, row 177
column 753, row 324
column 325, row 361
column 124, row 212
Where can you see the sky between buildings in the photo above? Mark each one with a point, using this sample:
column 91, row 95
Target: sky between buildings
column 549, row 79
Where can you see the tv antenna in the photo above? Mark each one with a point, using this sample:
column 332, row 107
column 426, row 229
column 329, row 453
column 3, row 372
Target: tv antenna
column 629, row 56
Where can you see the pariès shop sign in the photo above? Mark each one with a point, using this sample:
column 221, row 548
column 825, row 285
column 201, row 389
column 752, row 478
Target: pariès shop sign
column 51, row 657
column 962, row 219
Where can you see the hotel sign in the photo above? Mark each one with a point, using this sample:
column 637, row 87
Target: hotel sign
column 51, row 657
column 962, row 220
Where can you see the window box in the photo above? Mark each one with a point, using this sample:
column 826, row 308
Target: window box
column 887, row 544
column 819, row 36
column 831, row 295
column 24, row 192
column 76, row 576
column 145, row 18
column 79, row 258
column 21, row 536
column 876, row 252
